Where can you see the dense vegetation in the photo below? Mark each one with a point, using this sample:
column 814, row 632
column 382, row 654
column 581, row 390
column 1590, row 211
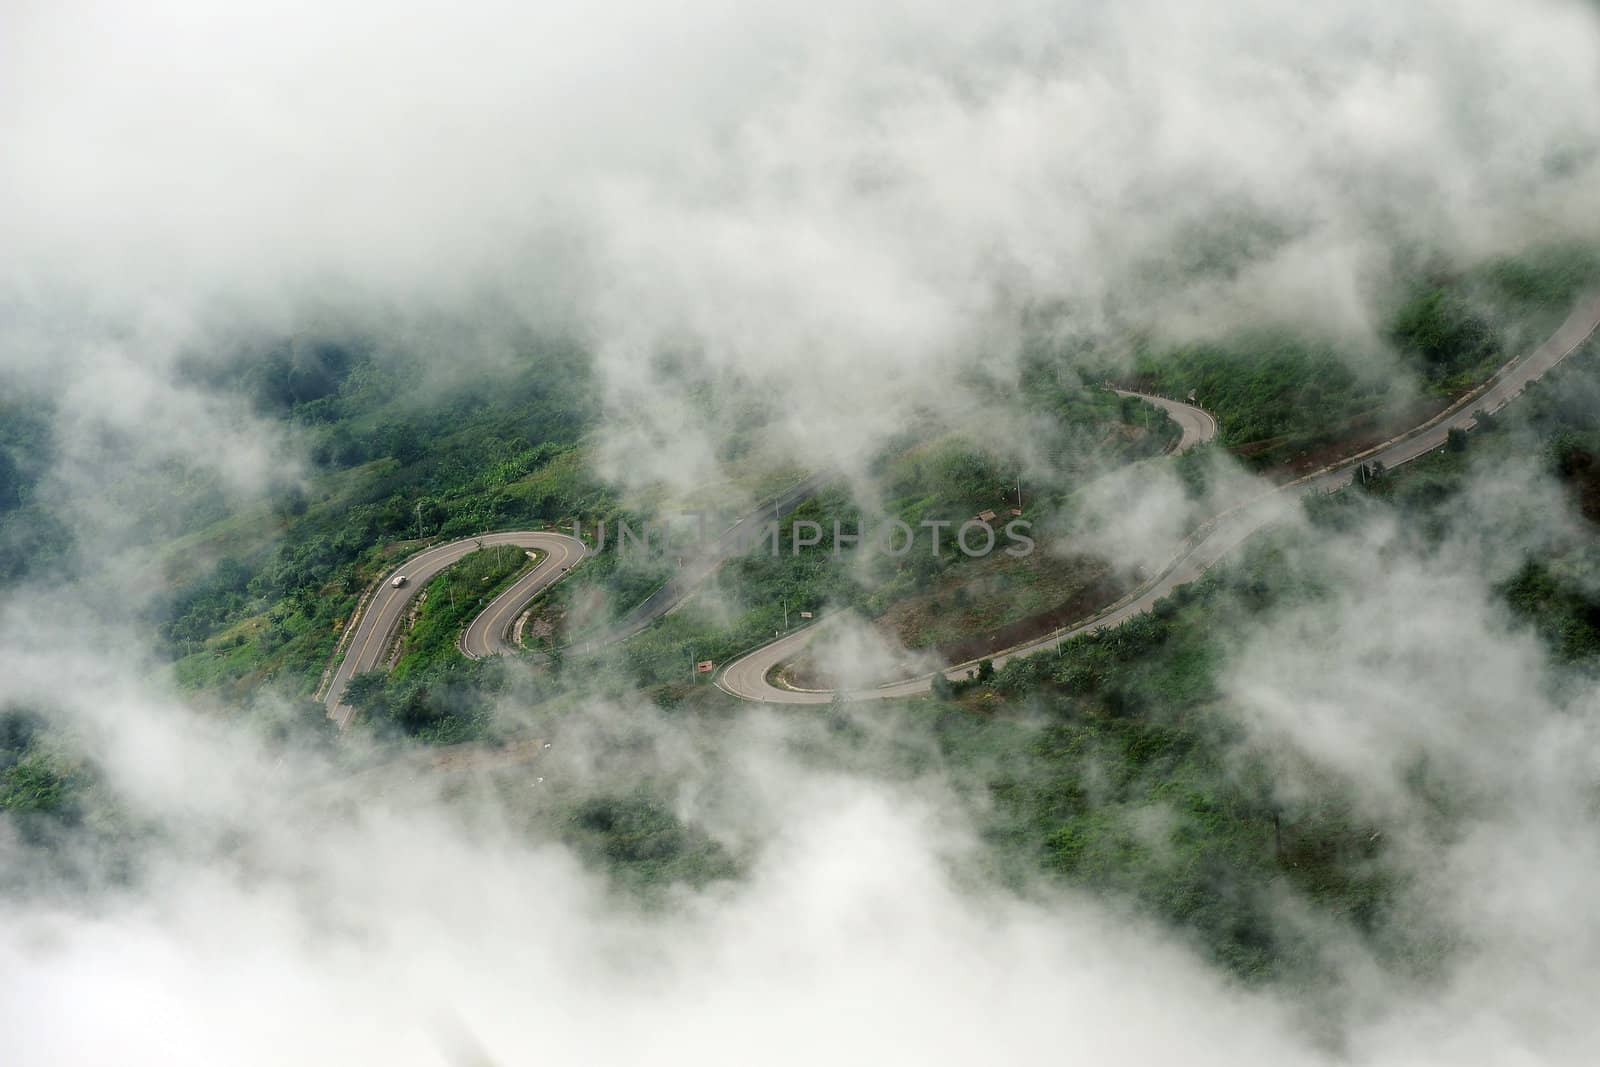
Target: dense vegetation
column 1112, row 764
column 1117, row 763
column 33, row 779
column 508, row 450
column 642, row 845
column 500, row 451
column 1279, row 397
column 1553, row 426
column 945, row 478
column 260, row 597
column 32, row 540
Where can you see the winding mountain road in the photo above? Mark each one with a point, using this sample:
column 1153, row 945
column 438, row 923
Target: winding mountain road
column 747, row 677
column 1197, row 424
column 369, row 645
column 487, row 633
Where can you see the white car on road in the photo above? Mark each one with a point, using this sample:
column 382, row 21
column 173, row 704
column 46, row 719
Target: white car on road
column 399, row 580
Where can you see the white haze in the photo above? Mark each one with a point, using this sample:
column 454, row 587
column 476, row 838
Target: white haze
column 287, row 911
column 846, row 209
column 400, row 933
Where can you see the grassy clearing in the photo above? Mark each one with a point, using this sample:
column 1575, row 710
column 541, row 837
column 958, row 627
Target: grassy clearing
column 454, row 598
column 984, row 596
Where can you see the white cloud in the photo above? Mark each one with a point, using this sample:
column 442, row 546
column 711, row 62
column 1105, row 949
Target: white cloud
column 843, row 209
column 839, row 207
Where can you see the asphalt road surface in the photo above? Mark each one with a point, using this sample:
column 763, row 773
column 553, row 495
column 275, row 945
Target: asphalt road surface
column 746, row 677
column 1198, row 425
column 486, row 633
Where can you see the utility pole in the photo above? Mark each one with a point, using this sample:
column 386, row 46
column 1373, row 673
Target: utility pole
column 785, row 613
column 419, row 520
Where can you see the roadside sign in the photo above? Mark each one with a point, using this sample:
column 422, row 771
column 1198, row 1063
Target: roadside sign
column 805, row 614
column 704, row 666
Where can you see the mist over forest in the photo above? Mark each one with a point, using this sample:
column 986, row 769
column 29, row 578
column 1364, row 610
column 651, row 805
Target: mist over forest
column 1260, row 344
